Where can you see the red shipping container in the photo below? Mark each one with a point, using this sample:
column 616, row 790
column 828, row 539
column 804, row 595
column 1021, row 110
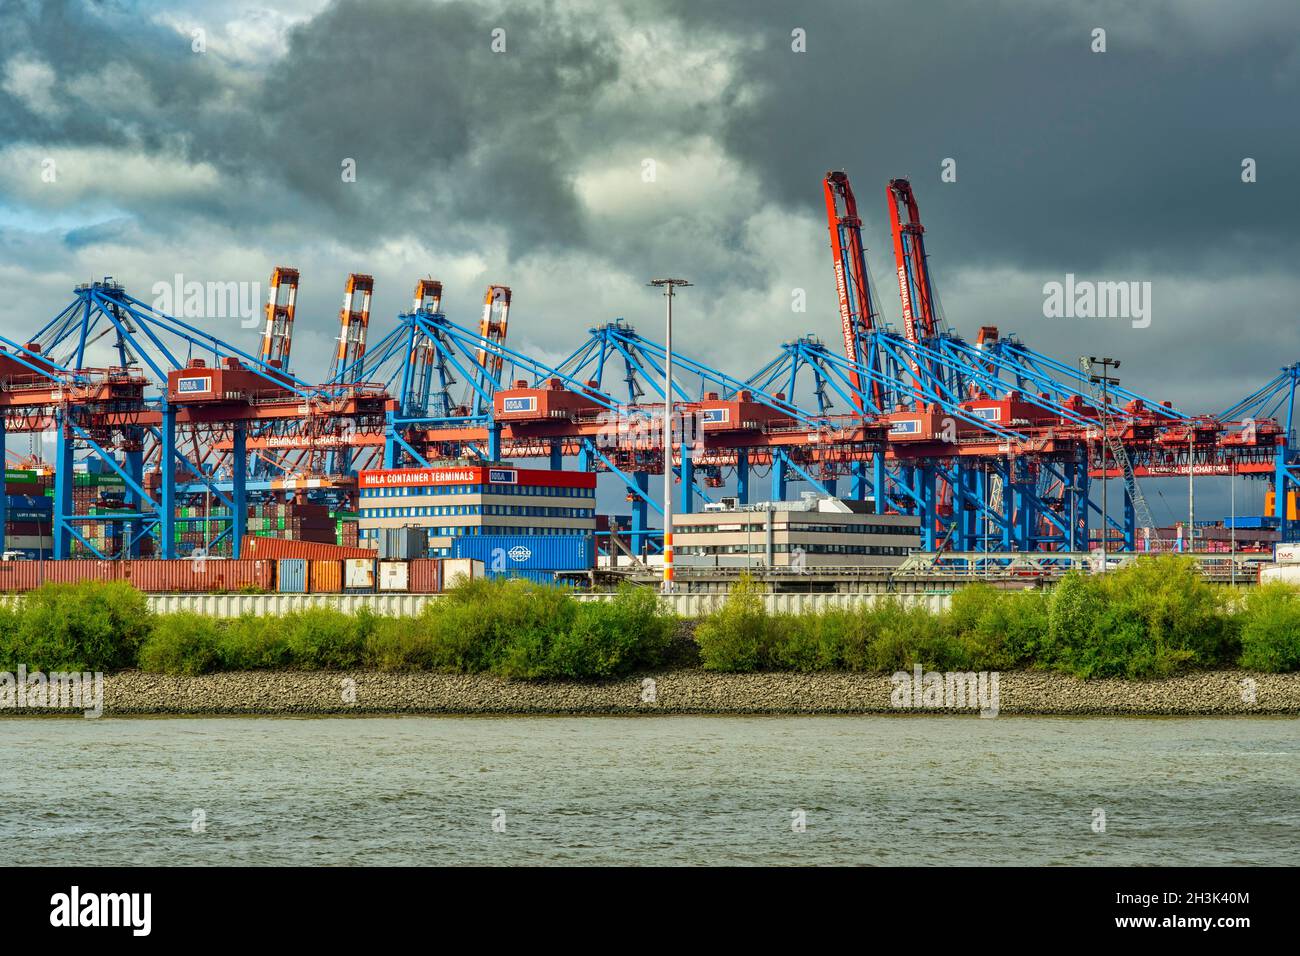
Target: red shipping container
column 76, row 571
column 277, row 548
column 30, row 528
column 190, row 575
column 34, row 488
column 19, row 576
column 425, row 575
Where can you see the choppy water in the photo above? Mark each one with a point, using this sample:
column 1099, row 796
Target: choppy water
column 665, row 790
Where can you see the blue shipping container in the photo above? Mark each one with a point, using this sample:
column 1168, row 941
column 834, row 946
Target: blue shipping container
column 537, row 577
column 1252, row 521
column 527, row 552
column 291, row 576
column 29, row 502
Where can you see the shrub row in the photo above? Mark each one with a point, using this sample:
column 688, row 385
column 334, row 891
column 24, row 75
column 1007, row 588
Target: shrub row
column 512, row 628
column 1149, row 619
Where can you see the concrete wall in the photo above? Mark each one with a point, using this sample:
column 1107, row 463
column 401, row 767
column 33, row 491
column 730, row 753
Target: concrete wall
column 684, row 605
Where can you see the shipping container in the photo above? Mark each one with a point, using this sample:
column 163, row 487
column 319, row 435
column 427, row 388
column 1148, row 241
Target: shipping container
column 524, row 574
column 74, row 572
column 1248, row 522
column 29, row 502
column 527, row 552
column 19, row 528
column 25, row 488
column 1286, row 573
column 28, row 542
column 403, row 544
column 1287, row 554
column 256, row 547
column 326, row 576
column 44, row 519
column 394, row 576
column 19, row 576
column 189, row 575
column 291, row 576
column 455, row 570
column 359, row 574
column 425, row 575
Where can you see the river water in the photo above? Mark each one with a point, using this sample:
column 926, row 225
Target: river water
column 650, row 790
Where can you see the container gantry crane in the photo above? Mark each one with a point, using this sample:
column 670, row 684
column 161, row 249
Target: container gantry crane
column 992, row 444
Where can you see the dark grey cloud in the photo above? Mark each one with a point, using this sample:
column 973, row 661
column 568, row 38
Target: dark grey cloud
column 1065, row 156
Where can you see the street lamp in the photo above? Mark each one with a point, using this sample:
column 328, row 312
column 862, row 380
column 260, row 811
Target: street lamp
column 668, row 285
column 1105, row 381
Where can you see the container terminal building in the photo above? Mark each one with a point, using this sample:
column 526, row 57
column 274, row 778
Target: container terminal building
column 461, row 500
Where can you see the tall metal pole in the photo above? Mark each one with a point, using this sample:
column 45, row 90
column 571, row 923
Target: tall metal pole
column 1191, row 490
column 1232, row 531
column 1105, row 381
column 668, row 286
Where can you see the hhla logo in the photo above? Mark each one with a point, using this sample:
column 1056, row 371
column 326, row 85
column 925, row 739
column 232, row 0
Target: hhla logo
column 953, row 690
column 103, row 909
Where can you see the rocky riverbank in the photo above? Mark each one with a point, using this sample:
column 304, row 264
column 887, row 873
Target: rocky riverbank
column 684, row 692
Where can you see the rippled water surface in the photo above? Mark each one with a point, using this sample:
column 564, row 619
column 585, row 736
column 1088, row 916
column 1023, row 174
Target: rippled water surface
column 666, row 790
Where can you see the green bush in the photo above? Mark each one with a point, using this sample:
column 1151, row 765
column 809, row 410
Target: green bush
column 253, row 642
column 324, row 638
column 1000, row 630
column 91, row 626
column 1270, row 628
column 182, row 643
column 809, row 642
column 612, row 638
column 898, row 638
column 502, row 625
column 1147, row 619
column 882, row 637
column 401, row 644
column 10, row 617
column 737, row 636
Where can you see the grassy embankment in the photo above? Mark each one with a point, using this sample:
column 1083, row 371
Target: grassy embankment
column 1151, row 619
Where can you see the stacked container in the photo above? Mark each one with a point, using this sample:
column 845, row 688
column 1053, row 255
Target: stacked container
column 98, row 495
column 30, row 513
column 403, row 544
column 345, row 528
column 301, row 522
